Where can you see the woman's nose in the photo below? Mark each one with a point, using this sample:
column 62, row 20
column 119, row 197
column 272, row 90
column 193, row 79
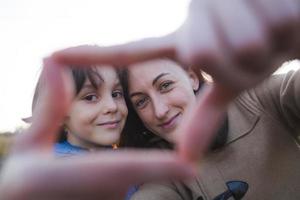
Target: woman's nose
column 161, row 108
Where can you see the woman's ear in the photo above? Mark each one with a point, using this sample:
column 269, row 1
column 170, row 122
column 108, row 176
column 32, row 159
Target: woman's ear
column 194, row 79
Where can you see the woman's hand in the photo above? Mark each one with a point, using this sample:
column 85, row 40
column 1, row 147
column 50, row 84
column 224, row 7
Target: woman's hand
column 238, row 42
column 32, row 171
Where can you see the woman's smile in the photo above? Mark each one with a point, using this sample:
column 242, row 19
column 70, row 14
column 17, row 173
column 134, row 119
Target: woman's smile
column 169, row 124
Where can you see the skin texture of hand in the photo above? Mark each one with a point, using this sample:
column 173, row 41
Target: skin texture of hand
column 33, row 172
column 238, row 42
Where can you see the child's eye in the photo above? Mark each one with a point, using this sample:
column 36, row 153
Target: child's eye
column 117, row 94
column 141, row 103
column 91, row 97
column 165, row 85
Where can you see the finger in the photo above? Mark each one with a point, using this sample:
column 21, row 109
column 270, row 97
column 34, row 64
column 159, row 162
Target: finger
column 207, row 50
column 281, row 18
column 198, row 44
column 200, row 127
column 197, row 41
column 54, row 97
column 119, row 55
column 242, row 33
column 106, row 173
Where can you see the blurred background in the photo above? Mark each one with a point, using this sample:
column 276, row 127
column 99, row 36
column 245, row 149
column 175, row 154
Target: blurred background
column 32, row 29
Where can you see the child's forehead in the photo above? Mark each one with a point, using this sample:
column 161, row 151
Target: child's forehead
column 103, row 76
column 106, row 72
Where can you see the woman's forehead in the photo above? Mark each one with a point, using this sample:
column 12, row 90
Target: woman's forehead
column 151, row 69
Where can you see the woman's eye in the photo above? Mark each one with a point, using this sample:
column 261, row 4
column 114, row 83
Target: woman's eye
column 165, row 85
column 91, row 97
column 117, row 94
column 141, row 103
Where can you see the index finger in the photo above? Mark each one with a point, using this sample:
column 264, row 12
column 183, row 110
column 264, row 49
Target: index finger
column 54, row 98
column 119, row 55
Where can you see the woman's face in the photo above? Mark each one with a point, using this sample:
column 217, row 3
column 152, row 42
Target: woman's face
column 162, row 94
column 98, row 114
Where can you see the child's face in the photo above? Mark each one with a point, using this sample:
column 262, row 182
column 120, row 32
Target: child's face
column 98, row 115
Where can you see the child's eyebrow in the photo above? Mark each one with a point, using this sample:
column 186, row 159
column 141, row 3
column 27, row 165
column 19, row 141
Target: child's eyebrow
column 97, row 78
column 118, row 83
column 88, row 86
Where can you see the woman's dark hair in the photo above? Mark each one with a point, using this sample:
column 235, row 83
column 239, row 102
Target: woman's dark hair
column 135, row 134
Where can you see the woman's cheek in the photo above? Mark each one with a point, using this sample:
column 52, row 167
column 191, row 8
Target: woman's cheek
column 146, row 115
column 182, row 98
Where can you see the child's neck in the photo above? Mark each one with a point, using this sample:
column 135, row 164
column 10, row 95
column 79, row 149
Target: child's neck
column 90, row 146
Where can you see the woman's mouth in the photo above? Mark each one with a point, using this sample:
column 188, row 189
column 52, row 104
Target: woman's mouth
column 170, row 123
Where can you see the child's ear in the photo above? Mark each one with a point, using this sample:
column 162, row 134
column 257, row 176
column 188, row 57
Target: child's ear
column 66, row 121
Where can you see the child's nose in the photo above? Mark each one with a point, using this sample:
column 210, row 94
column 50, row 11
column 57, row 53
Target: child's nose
column 109, row 105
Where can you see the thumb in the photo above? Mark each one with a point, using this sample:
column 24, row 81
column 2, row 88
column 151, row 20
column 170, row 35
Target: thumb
column 196, row 134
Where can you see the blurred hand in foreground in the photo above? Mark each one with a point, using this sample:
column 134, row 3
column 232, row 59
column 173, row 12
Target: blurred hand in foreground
column 31, row 171
column 238, row 42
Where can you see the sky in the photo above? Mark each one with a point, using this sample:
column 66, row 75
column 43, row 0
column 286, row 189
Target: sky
column 32, row 29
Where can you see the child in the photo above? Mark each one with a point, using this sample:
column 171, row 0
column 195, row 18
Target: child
column 97, row 114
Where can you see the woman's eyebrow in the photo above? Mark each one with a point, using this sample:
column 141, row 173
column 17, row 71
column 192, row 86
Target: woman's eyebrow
column 135, row 94
column 153, row 83
column 158, row 77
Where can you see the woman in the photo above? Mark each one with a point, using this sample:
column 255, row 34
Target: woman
column 257, row 153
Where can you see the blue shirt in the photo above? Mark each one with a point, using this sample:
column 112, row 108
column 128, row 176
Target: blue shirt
column 64, row 149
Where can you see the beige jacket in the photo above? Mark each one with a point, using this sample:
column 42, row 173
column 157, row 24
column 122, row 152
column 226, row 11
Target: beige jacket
column 262, row 149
